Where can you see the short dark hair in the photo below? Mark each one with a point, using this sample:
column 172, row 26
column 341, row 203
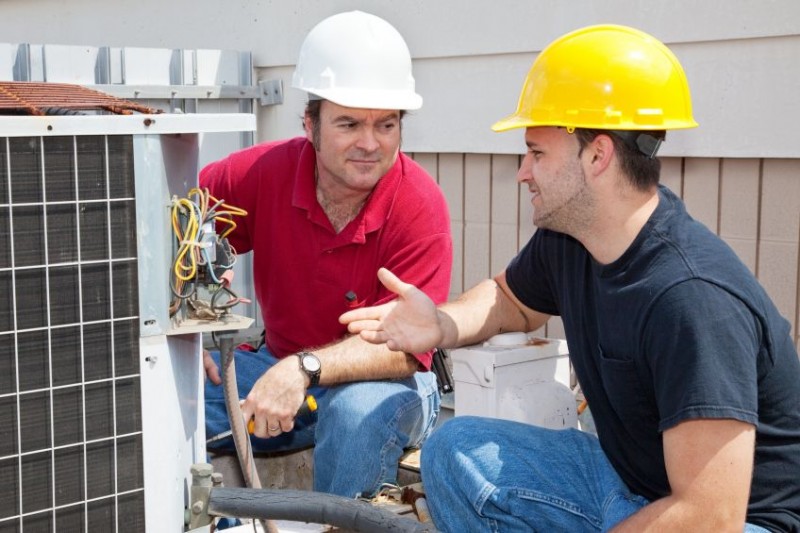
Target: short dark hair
column 312, row 112
column 643, row 170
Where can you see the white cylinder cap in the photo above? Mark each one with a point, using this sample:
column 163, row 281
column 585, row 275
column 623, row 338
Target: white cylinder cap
column 507, row 339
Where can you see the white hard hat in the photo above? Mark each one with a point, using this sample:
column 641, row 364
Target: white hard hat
column 355, row 59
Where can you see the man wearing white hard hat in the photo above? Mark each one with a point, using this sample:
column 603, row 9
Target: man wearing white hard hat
column 325, row 211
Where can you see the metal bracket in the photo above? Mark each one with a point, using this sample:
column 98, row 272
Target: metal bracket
column 165, row 92
column 271, row 92
column 197, row 513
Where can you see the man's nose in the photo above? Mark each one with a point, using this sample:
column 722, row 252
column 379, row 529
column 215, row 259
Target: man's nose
column 525, row 172
column 367, row 140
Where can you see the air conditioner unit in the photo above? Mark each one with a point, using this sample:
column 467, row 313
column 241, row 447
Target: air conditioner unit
column 100, row 417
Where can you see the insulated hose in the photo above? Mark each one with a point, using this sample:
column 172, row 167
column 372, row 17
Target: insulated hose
column 241, row 438
column 313, row 507
column 286, row 504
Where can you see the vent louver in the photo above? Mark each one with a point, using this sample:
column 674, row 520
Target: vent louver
column 70, row 406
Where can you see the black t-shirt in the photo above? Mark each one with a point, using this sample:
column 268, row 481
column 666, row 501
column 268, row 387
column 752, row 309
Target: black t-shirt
column 675, row 329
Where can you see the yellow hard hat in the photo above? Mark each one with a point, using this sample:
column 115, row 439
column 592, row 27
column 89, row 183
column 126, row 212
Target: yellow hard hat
column 604, row 77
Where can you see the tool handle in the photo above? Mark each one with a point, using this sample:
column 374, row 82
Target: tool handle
column 308, row 406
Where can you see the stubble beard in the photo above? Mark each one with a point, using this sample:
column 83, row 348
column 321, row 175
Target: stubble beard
column 573, row 216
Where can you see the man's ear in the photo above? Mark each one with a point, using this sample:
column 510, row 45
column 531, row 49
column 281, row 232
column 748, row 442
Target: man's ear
column 308, row 128
column 601, row 153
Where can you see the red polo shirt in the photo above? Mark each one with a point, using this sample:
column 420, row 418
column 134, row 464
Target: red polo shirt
column 302, row 269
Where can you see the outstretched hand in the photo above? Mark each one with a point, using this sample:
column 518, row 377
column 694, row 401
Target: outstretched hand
column 408, row 324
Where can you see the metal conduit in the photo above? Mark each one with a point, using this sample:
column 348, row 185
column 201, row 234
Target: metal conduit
column 241, row 438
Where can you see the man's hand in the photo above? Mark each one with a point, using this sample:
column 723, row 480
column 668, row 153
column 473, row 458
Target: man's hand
column 275, row 398
column 212, row 370
column 409, row 324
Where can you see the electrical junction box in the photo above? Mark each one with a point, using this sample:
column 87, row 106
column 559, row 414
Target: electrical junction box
column 516, row 376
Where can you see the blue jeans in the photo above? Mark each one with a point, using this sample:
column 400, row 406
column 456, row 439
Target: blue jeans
column 359, row 430
column 484, row 474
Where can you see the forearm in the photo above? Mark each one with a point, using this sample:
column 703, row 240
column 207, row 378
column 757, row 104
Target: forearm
column 354, row 359
column 274, row 399
column 673, row 514
column 481, row 312
column 710, row 466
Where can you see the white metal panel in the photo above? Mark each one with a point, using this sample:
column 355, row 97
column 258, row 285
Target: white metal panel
column 20, row 126
column 115, row 65
column 283, row 121
column 173, row 434
column 188, row 74
column 217, row 67
column 70, row 64
column 445, row 28
column 8, row 56
column 147, row 66
column 744, row 97
column 36, row 64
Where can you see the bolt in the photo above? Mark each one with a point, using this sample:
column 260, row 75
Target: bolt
column 202, row 469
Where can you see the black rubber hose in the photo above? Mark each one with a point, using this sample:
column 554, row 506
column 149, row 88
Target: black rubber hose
column 311, row 507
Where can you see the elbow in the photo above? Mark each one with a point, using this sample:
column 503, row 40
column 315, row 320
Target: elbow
column 732, row 520
column 412, row 365
column 722, row 519
column 732, row 526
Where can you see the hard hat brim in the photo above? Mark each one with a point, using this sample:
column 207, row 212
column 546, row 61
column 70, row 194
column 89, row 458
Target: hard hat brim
column 513, row 121
column 370, row 99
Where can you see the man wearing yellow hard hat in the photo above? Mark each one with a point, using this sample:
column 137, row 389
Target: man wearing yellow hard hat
column 689, row 370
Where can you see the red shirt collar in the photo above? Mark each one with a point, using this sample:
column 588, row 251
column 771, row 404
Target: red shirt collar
column 372, row 216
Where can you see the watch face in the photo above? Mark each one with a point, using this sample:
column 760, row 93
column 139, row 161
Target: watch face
column 311, row 363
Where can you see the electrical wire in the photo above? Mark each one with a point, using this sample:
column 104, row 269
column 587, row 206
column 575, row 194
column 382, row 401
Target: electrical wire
column 191, row 218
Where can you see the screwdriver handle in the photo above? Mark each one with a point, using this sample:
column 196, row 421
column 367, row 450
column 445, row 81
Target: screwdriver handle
column 308, row 406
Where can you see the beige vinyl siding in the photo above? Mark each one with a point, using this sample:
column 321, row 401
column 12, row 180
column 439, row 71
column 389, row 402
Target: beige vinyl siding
column 753, row 204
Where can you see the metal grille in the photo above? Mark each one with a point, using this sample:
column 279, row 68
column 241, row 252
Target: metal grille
column 31, row 98
column 70, row 409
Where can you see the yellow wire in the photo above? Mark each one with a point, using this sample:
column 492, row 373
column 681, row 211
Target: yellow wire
column 188, row 255
column 185, row 267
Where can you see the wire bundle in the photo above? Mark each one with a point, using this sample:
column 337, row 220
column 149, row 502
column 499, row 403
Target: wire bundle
column 194, row 220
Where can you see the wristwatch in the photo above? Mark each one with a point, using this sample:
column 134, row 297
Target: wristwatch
column 309, row 363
